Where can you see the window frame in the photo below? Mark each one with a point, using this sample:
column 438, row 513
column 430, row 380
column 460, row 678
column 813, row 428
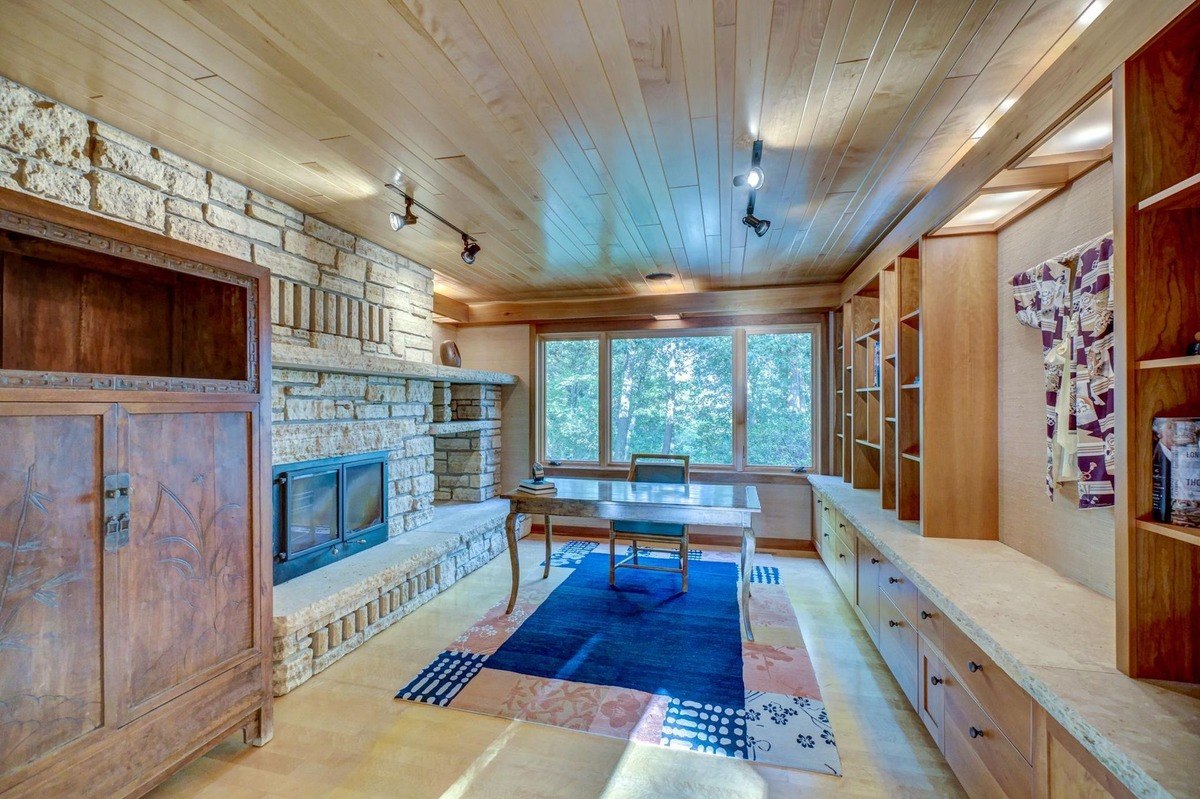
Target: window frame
column 740, row 335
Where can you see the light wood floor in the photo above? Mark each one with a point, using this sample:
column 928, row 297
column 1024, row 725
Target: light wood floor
column 343, row 735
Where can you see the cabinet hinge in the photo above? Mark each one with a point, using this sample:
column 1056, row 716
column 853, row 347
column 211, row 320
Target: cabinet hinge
column 116, row 511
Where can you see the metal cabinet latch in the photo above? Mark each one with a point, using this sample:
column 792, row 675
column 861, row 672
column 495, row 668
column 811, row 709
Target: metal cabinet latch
column 116, row 511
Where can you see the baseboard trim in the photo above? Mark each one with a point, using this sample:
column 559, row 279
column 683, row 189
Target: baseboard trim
column 792, row 546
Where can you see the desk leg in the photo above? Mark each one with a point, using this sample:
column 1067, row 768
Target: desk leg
column 747, row 569
column 510, row 530
column 549, row 532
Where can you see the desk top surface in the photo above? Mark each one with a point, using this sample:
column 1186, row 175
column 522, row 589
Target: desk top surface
column 691, row 495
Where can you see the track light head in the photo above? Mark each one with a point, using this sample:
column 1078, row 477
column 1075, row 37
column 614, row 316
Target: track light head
column 755, row 177
column 398, row 221
column 759, row 226
column 470, row 249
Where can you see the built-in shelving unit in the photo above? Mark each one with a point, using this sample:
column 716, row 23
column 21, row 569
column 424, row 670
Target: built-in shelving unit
column 838, row 397
column 866, row 416
column 908, row 375
column 1158, row 236
column 888, row 462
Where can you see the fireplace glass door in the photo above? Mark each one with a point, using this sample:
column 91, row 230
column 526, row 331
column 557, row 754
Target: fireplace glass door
column 326, row 510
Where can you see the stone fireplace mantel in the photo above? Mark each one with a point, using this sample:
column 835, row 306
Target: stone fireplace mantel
column 291, row 356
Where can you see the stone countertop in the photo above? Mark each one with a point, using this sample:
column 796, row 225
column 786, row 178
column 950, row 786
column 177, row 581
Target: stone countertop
column 1053, row 636
column 291, row 356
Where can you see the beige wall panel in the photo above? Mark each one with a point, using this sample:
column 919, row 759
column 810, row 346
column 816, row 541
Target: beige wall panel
column 1078, row 544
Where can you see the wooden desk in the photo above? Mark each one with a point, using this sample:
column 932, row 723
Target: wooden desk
column 619, row 500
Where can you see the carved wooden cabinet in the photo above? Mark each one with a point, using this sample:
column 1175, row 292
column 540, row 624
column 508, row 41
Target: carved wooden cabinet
column 134, row 447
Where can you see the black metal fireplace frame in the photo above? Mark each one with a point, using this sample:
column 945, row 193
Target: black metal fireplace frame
column 287, row 564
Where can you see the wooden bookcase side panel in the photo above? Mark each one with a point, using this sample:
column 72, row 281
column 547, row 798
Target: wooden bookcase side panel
column 846, row 380
column 865, row 414
column 887, row 394
column 959, row 387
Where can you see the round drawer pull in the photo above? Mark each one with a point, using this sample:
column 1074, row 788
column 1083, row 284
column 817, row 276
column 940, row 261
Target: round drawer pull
column 894, row 623
column 841, row 526
column 973, row 667
column 874, row 560
column 936, row 680
column 894, row 580
column 926, row 614
column 842, row 555
column 975, row 732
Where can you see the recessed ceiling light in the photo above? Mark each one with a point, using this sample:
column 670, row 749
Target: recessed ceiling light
column 660, row 276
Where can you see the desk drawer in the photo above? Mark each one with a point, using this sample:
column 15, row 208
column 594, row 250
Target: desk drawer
column 898, row 588
column 931, row 691
column 1004, row 700
column 984, row 761
column 929, row 620
column 898, row 645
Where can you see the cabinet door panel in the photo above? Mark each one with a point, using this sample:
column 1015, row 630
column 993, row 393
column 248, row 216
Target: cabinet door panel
column 187, row 573
column 51, row 586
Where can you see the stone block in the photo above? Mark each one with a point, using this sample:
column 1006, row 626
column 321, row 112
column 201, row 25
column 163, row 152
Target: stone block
column 340, row 284
column 186, row 185
column 107, row 133
column 136, row 166
column 229, row 192
column 386, row 393
column 54, row 182
column 423, row 484
column 377, row 254
column 307, row 247
column 278, row 206
column 114, row 195
column 381, row 275
column 421, row 353
column 444, row 444
column 328, row 233
column 413, row 410
column 181, row 164
column 420, row 391
column 234, row 222
column 202, row 235
column 370, row 411
column 185, row 208
column 418, row 445
column 294, row 376
column 309, row 409
column 283, row 264
column 34, row 126
column 320, row 642
column 264, row 214
column 351, row 266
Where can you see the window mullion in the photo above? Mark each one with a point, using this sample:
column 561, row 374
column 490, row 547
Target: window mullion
column 602, row 453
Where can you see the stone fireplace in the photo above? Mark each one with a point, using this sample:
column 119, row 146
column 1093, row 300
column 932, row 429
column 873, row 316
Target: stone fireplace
column 466, row 442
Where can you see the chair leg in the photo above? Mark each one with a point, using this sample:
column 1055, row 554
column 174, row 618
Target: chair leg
column 683, row 554
column 635, row 549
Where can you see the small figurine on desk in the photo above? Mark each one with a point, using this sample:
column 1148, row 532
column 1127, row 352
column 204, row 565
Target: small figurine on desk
column 538, row 484
column 1194, row 347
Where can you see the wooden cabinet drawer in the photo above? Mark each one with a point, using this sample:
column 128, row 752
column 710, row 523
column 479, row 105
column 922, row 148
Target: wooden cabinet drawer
column 931, row 691
column 867, row 577
column 843, row 567
column 829, row 514
column 1003, row 699
column 986, row 764
column 929, row 620
column 898, row 645
column 898, row 588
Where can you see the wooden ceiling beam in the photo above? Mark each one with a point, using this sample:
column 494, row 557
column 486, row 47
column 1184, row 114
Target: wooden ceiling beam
column 783, row 299
column 1070, row 81
column 451, row 308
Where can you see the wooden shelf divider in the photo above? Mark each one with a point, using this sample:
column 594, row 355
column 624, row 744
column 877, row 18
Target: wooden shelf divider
column 1184, row 194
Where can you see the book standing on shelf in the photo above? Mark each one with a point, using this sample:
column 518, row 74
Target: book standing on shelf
column 1176, row 471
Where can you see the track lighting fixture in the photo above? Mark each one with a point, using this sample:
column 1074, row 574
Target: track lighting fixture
column 470, row 249
column 759, row 226
column 407, row 218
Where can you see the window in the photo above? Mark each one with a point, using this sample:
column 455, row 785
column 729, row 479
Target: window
column 734, row 397
column 571, row 399
column 672, row 394
column 779, row 409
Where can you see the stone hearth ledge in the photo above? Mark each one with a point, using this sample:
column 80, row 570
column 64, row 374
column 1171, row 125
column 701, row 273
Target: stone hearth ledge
column 292, row 356
column 1055, row 637
column 322, row 616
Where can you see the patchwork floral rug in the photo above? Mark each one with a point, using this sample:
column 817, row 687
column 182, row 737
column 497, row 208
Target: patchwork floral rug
column 645, row 662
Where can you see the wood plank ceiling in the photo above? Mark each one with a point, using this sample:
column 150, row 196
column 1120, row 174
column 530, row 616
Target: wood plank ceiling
column 585, row 143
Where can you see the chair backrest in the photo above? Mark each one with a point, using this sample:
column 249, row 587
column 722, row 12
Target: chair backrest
column 646, row 467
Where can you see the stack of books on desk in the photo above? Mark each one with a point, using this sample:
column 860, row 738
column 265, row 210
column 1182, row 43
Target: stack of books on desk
column 531, row 487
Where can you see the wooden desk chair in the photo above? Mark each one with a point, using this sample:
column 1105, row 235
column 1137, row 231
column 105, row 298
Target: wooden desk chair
column 662, row 469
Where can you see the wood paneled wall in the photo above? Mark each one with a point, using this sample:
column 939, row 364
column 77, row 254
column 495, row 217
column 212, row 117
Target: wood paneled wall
column 1076, row 543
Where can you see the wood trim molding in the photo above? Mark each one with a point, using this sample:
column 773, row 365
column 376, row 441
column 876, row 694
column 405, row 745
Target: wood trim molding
column 781, row 299
column 451, row 308
column 1118, row 33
